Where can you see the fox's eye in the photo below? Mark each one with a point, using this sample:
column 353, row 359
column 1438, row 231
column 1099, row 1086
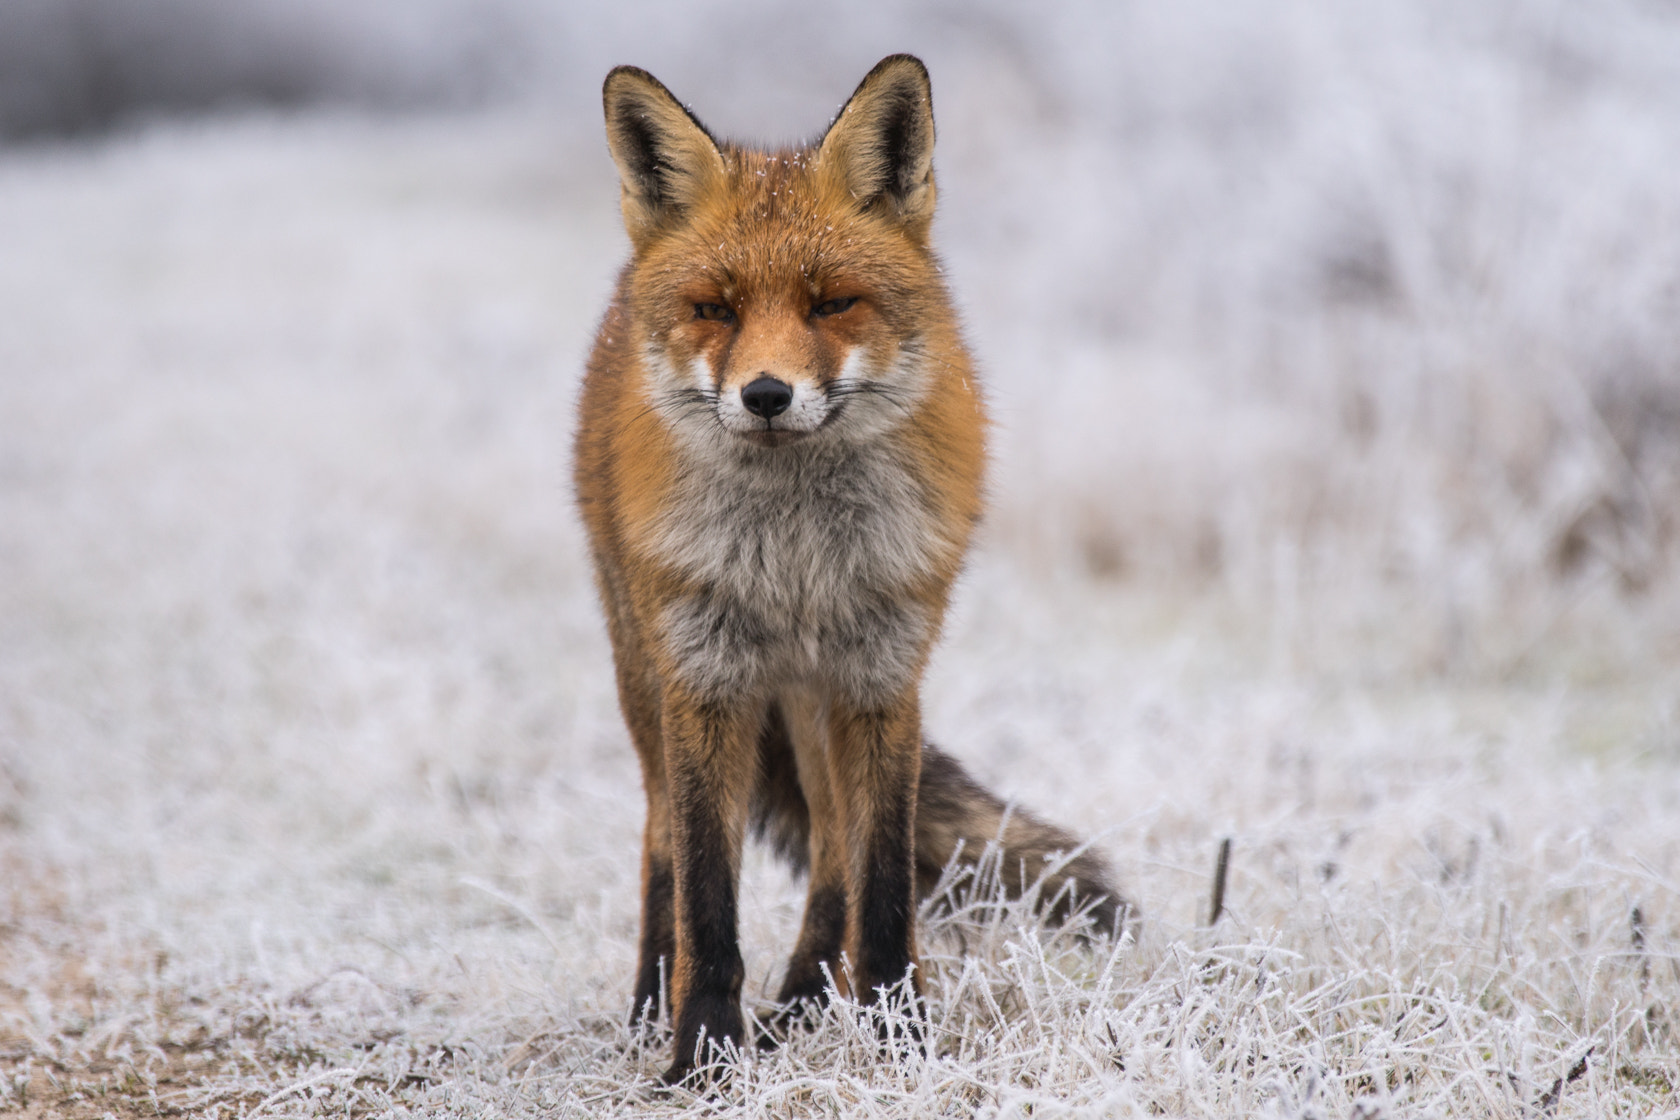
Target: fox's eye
column 713, row 312
column 833, row 306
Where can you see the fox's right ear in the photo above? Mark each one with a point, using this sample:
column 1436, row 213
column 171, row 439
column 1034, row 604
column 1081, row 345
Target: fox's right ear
column 666, row 159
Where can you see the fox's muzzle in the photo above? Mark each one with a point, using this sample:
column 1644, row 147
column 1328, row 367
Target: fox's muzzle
column 767, row 397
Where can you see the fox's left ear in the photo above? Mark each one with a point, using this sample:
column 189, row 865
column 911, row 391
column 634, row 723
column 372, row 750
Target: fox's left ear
column 882, row 141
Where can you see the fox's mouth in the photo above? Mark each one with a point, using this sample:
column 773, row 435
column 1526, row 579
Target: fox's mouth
column 768, row 436
column 772, row 437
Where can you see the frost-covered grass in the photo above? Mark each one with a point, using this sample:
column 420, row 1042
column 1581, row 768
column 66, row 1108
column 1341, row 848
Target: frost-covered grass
column 313, row 794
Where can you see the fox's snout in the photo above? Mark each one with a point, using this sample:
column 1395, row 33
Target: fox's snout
column 767, row 396
column 772, row 407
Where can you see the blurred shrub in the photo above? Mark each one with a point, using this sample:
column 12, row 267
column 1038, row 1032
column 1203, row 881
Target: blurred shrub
column 1363, row 310
column 72, row 65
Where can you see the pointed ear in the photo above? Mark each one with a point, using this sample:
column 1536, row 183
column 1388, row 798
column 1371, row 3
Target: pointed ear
column 881, row 144
column 665, row 157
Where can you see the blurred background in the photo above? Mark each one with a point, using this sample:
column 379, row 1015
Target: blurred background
column 1360, row 321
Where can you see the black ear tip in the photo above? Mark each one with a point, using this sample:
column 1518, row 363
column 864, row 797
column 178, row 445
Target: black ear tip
column 893, row 61
column 628, row 81
column 618, row 74
column 901, row 66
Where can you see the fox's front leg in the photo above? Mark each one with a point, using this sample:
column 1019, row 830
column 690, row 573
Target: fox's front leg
column 822, row 934
column 875, row 764
column 709, row 766
column 641, row 700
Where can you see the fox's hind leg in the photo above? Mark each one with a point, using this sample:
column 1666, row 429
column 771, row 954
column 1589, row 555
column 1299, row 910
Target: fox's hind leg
column 658, row 944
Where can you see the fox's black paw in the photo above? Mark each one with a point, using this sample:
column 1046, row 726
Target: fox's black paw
column 708, row 1040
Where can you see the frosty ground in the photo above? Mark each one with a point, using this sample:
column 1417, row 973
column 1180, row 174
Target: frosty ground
column 314, row 799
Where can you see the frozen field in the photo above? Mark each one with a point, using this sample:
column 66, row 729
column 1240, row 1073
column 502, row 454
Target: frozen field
column 314, row 799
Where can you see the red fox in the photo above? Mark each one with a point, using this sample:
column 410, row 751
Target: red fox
column 779, row 459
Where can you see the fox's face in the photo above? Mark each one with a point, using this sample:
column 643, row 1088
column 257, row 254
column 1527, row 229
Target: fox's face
column 781, row 294
column 778, row 309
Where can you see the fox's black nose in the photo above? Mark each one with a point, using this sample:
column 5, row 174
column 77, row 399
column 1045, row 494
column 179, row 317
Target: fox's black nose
column 767, row 397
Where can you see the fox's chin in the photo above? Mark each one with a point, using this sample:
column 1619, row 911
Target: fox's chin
column 772, row 437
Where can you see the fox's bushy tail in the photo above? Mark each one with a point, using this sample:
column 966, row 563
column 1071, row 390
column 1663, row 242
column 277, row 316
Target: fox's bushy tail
column 959, row 819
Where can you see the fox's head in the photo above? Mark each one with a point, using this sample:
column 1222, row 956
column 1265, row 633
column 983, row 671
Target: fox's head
column 780, row 295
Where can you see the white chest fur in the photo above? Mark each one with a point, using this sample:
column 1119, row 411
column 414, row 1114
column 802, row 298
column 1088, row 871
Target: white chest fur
column 803, row 559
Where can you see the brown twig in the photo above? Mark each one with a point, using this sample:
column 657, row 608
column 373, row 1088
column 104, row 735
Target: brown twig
column 1550, row 1101
column 1219, row 870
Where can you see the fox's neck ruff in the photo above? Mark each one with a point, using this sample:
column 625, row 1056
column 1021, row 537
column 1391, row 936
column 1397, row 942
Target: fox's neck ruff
column 797, row 563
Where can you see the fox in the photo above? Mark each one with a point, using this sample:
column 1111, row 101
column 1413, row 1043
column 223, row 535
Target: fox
column 779, row 463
